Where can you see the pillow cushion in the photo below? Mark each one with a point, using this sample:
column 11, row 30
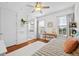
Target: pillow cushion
column 70, row 45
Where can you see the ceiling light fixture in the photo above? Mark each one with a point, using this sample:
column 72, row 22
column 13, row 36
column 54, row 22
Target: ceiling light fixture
column 38, row 7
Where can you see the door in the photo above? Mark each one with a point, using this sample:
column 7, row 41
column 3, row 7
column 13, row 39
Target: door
column 41, row 28
column 63, row 26
column 64, row 21
column 32, row 29
column 8, row 26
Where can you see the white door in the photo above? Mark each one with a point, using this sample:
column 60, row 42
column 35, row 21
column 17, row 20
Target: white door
column 63, row 26
column 32, row 29
column 0, row 24
column 41, row 27
column 8, row 26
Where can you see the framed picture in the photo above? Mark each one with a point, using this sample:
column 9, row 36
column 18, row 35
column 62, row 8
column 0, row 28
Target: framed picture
column 50, row 24
column 32, row 22
column 73, row 24
column 31, row 26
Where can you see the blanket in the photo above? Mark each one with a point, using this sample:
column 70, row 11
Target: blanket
column 55, row 48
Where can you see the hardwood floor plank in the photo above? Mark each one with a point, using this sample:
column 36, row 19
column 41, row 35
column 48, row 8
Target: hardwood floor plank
column 15, row 47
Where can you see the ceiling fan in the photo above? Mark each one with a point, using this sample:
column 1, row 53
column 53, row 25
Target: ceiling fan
column 38, row 7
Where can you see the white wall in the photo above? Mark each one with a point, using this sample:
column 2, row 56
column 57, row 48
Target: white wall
column 22, row 31
column 20, row 10
column 53, row 17
column 33, row 34
column 0, row 20
column 8, row 26
column 76, row 10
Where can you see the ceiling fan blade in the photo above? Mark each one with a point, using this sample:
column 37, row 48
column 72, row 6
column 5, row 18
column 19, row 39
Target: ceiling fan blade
column 29, row 6
column 45, row 7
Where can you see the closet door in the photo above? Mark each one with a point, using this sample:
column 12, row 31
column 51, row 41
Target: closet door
column 8, row 26
column 0, row 24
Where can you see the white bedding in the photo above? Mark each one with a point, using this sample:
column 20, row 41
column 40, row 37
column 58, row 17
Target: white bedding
column 55, row 48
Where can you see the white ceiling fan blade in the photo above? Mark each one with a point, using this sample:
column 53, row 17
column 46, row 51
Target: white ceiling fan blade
column 45, row 7
column 29, row 6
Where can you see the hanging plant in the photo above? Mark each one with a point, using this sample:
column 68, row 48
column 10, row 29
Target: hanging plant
column 23, row 21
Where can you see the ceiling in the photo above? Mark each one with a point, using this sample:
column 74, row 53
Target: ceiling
column 21, row 7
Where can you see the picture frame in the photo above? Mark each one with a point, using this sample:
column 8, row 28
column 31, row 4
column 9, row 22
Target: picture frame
column 73, row 24
column 32, row 26
column 50, row 24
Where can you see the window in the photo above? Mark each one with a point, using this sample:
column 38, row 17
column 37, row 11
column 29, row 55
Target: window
column 62, row 21
column 63, row 25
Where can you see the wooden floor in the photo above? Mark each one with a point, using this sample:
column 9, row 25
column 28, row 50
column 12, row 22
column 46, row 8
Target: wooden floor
column 15, row 47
